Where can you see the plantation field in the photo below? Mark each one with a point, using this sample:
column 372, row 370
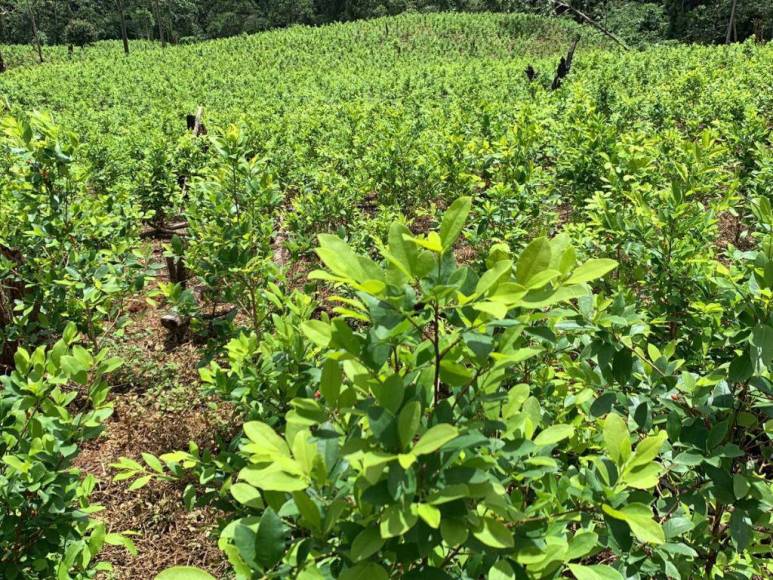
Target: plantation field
column 387, row 307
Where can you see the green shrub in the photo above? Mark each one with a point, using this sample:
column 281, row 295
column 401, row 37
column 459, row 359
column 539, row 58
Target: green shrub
column 52, row 401
column 68, row 252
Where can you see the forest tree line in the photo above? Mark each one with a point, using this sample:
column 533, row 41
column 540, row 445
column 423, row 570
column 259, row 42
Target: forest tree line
column 79, row 22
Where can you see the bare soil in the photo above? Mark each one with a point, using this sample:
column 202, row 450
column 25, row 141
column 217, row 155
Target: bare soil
column 158, row 408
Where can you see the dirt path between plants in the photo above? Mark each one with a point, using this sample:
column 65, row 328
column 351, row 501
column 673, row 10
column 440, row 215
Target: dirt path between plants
column 158, row 408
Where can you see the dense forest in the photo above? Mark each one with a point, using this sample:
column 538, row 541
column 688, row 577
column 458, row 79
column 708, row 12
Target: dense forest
column 82, row 21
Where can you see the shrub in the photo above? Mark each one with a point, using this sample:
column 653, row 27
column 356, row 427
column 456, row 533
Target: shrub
column 53, row 401
column 231, row 217
column 509, row 423
column 68, row 253
column 425, row 440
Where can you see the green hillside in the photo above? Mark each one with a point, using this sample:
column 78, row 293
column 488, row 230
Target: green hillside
column 390, row 307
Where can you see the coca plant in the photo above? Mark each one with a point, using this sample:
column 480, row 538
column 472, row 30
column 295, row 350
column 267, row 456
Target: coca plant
column 55, row 399
column 68, row 253
column 232, row 216
column 440, row 441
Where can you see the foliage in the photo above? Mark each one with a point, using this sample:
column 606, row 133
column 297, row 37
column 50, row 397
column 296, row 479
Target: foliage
column 80, row 32
column 262, row 376
column 231, row 225
column 474, row 390
column 53, row 401
column 68, row 252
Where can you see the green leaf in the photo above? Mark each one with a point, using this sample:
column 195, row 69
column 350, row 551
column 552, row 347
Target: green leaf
column 493, row 533
column 740, row 486
column 367, row 543
column 762, row 338
column 453, row 221
column 644, row 476
column 402, row 252
column 453, row 531
column 432, row 242
column 268, row 442
column 622, row 365
column 647, row 450
column 246, row 494
column 596, row 572
column 340, row 258
column 501, row 571
column 553, row 434
column 123, row 541
column 406, row 459
column 272, row 478
column 317, row 332
column 534, row 259
column 17, row 464
column 616, row 440
column 591, row 270
column 548, row 296
column 434, row 438
column 309, row 510
column 518, row 356
column 153, row 462
column 330, row 381
column 516, row 397
column 184, row 573
column 74, row 368
column 430, row 514
column 396, row 521
column 541, row 279
column 270, row 539
column 495, row 309
column 581, row 544
column 389, row 394
column 492, row 276
column 741, row 530
column 639, row 518
column 408, row 422
column 365, row 571
column 140, row 482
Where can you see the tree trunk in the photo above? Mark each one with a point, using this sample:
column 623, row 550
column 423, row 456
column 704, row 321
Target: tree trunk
column 2, row 63
column 124, row 35
column 35, row 36
column 731, row 24
column 160, row 24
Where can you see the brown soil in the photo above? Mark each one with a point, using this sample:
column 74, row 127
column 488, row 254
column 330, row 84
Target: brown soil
column 732, row 231
column 465, row 253
column 152, row 417
column 564, row 212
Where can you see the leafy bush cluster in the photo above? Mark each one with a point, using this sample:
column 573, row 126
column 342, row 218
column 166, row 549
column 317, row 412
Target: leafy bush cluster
column 67, row 263
column 448, row 425
column 68, row 253
column 52, row 401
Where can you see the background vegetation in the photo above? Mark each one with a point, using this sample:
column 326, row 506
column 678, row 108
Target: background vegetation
column 77, row 22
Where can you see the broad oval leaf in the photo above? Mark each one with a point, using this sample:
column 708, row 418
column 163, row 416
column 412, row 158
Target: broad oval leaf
column 553, row 434
column 435, row 438
column 595, row 572
column 184, row 573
